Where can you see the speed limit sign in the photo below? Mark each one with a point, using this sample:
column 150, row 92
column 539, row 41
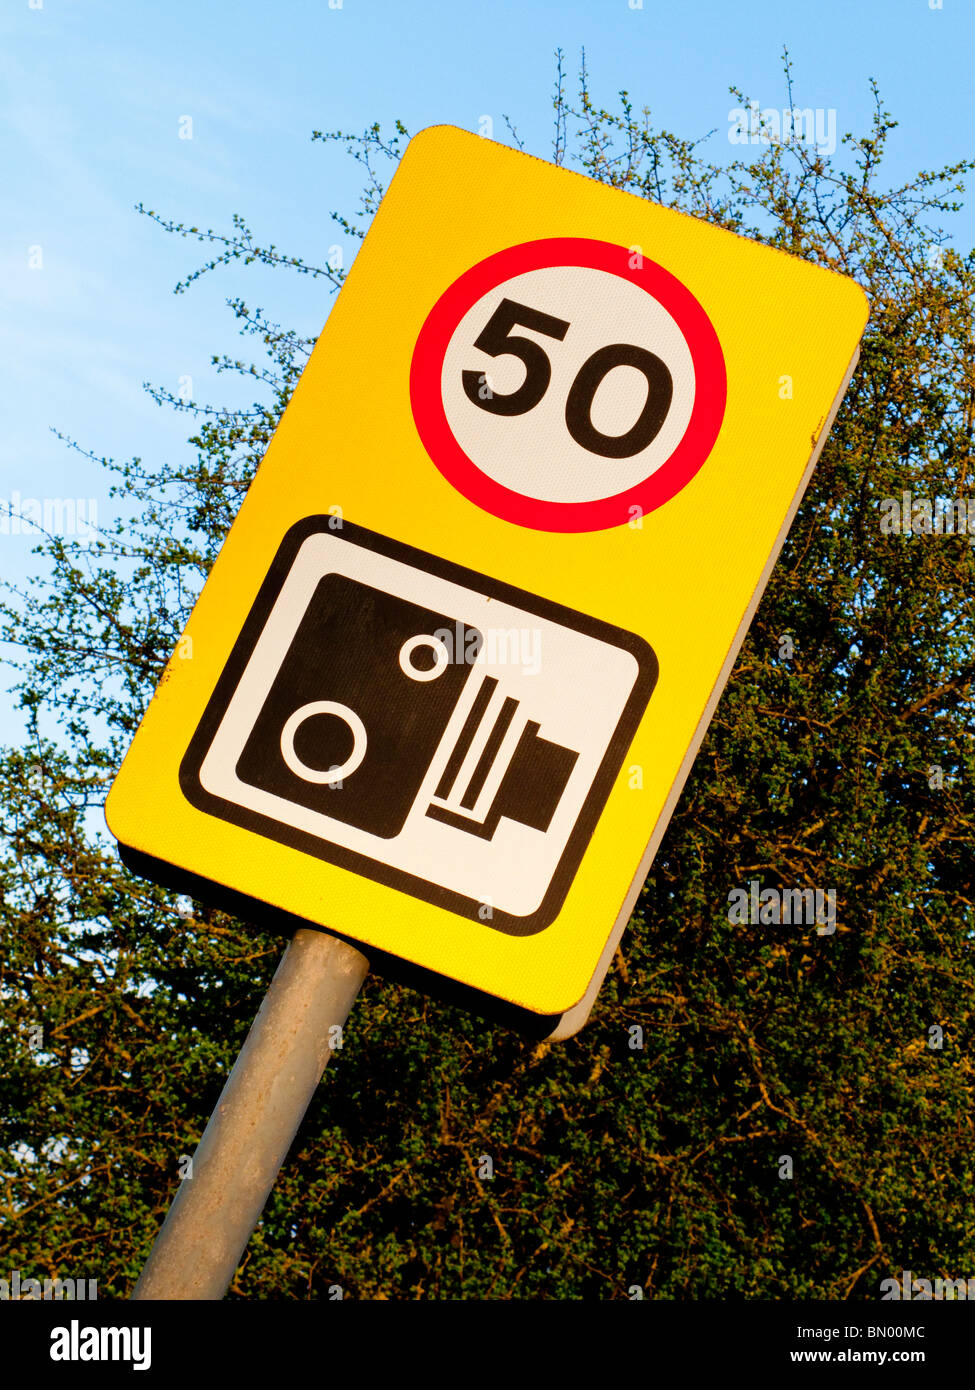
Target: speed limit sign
column 445, row 681
column 585, row 431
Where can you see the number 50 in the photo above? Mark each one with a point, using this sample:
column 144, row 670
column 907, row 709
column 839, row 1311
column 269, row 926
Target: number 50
column 497, row 340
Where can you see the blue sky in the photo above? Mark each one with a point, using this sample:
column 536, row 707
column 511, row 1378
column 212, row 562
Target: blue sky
column 94, row 92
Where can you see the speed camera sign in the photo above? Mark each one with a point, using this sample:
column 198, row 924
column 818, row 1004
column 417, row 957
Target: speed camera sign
column 413, row 753
column 446, row 678
column 535, row 393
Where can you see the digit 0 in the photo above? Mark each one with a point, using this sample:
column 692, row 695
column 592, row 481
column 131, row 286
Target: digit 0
column 578, row 406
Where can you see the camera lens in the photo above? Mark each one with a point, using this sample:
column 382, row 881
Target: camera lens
column 339, row 771
column 423, row 671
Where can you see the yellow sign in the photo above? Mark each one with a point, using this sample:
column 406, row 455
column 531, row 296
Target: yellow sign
column 451, row 667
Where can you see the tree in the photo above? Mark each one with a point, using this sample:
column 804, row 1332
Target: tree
column 754, row 1111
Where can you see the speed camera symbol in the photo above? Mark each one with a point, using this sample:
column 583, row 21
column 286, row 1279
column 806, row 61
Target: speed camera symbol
column 421, row 724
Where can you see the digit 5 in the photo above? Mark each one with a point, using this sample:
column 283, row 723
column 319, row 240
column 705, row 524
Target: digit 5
column 496, row 340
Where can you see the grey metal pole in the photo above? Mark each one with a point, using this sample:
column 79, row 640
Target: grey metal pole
column 255, row 1120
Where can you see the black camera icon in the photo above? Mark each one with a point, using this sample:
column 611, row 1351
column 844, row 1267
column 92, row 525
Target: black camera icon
column 356, row 716
column 424, row 725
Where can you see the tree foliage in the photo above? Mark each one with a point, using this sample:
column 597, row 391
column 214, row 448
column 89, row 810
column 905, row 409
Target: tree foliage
column 848, row 763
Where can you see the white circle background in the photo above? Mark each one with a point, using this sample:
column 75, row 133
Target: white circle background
column 534, row 454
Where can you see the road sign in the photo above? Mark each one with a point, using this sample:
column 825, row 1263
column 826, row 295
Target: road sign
column 540, row 458
column 452, row 665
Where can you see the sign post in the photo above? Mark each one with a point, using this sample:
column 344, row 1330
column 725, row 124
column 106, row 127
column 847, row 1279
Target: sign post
column 451, row 668
column 221, row 1198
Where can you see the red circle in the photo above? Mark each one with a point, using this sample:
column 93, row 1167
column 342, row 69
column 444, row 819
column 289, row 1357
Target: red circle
column 426, row 371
